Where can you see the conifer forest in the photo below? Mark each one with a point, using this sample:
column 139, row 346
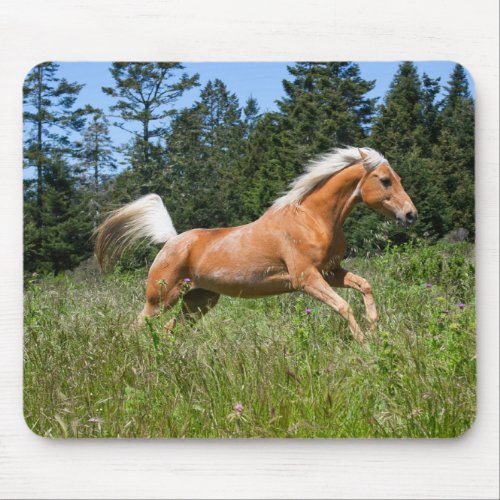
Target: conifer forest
column 221, row 162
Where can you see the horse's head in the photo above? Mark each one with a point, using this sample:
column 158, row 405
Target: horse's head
column 381, row 190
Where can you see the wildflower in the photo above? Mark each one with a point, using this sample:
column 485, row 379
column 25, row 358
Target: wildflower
column 308, row 310
column 461, row 306
column 428, row 285
column 187, row 280
column 416, row 412
column 238, row 408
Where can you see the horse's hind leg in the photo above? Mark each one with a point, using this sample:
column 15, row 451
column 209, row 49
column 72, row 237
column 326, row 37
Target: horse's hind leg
column 159, row 296
column 346, row 279
column 198, row 302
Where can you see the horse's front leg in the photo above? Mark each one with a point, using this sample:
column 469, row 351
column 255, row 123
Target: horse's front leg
column 346, row 279
column 315, row 285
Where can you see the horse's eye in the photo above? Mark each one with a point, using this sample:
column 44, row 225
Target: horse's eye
column 386, row 182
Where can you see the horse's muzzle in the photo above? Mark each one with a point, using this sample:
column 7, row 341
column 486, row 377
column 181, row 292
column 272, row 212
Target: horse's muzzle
column 407, row 218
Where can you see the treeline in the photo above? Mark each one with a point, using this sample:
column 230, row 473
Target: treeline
column 220, row 162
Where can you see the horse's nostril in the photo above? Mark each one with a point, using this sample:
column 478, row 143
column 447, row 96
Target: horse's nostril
column 410, row 217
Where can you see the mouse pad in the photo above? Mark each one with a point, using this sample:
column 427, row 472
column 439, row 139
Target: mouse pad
column 236, row 250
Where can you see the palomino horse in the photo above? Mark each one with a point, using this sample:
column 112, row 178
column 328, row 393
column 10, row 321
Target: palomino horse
column 296, row 245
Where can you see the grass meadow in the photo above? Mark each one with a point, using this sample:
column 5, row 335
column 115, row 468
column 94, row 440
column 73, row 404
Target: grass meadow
column 257, row 368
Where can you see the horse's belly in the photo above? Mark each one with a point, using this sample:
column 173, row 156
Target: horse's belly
column 245, row 283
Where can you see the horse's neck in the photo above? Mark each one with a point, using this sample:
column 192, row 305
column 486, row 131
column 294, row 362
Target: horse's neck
column 333, row 201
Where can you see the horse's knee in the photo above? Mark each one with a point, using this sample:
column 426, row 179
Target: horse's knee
column 345, row 310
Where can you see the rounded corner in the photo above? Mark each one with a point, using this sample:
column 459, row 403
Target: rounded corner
column 32, row 68
column 466, row 432
column 469, row 75
column 32, row 431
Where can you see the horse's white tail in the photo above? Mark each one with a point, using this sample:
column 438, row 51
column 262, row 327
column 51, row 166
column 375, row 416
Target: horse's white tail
column 145, row 218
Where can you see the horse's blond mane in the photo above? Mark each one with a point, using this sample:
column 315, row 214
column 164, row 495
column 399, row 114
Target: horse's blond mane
column 319, row 169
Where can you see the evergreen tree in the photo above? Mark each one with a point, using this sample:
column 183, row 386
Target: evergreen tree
column 325, row 106
column 250, row 115
column 204, row 150
column 49, row 121
column 404, row 130
column 145, row 94
column 184, row 175
column 66, row 221
column 431, row 110
column 222, row 135
column 454, row 152
column 399, row 128
column 262, row 168
column 96, row 149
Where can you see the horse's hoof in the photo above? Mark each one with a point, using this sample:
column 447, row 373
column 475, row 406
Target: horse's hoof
column 170, row 325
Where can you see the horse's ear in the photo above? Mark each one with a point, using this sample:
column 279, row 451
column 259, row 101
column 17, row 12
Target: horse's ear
column 363, row 155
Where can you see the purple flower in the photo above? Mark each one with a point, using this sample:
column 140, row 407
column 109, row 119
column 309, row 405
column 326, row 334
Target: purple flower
column 428, row 285
column 461, row 306
column 238, row 408
column 308, row 310
column 187, row 280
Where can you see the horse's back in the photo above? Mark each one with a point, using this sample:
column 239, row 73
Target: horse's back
column 238, row 261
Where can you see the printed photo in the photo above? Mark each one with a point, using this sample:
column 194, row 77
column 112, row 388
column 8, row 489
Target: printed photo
column 249, row 250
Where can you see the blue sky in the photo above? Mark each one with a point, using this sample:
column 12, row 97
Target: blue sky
column 260, row 80
column 257, row 79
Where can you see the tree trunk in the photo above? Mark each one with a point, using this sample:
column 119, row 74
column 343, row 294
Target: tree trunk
column 96, row 163
column 145, row 138
column 39, row 152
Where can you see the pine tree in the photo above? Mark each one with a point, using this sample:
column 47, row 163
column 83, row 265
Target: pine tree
column 454, row 152
column 404, row 129
column 250, row 116
column 145, row 94
column 222, row 134
column 431, row 111
column 399, row 128
column 50, row 121
column 325, row 106
column 67, row 220
column 184, row 176
column 263, row 166
column 96, row 150
column 204, row 151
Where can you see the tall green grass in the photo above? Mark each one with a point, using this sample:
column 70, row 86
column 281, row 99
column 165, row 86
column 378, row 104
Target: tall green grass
column 257, row 368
